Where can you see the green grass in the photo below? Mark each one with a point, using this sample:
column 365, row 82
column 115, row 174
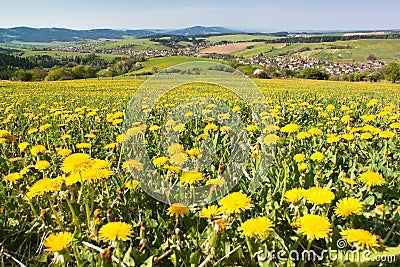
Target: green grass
column 136, row 44
column 384, row 50
column 29, row 53
column 165, row 62
column 238, row 37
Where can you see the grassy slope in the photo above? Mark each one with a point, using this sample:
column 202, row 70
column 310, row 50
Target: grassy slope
column 384, row 50
column 165, row 62
column 138, row 44
column 58, row 54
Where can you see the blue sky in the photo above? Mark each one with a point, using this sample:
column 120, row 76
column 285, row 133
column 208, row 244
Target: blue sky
column 252, row 14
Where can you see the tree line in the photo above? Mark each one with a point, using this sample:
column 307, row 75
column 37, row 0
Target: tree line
column 45, row 67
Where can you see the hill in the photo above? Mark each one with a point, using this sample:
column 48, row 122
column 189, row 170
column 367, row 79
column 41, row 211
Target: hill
column 27, row 34
column 201, row 30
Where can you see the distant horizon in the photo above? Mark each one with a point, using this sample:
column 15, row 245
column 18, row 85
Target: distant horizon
column 226, row 27
column 257, row 15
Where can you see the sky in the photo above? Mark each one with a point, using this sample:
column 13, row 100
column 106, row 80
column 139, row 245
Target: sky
column 266, row 15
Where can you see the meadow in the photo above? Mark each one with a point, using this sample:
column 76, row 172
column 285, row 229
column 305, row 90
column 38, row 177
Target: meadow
column 384, row 50
column 70, row 198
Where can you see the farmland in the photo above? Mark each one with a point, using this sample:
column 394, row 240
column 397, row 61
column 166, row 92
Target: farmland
column 226, row 48
column 68, row 197
column 358, row 50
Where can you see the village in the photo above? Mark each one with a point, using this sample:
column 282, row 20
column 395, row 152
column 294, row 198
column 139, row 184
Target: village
column 293, row 63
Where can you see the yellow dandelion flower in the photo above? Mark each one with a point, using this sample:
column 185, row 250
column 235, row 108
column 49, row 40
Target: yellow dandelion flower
column 76, row 162
column 64, row 152
column 90, row 136
column 172, row 168
column 333, row 138
column 290, row 128
column 133, row 164
column 154, row 128
column 371, row 178
column 216, row 182
column 251, row 128
column 303, row 135
column 330, row 107
column 131, row 184
column 295, row 195
column 348, row 206
column 42, row 165
column 319, row 196
column 15, row 159
column 37, row 150
column 346, row 119
column 315, row 131
column 175, row 149
column 395, row 125
column 361, row 237
column 190, row 178
column 58, row 242
column 299, row 157
column 111, row 146
column 256, row 227
column 179, row 159
column 194, row 153
column 314, row 226
column 114, row 231
column 12, row 178
column 386, row 134
column 203, row 136
column 302, row 166
column 210, row 127
column 99, row 164
column 179, row 127
column 22, row 146
column 348, row 181
column 178, row 210
column 366, row 136
column 210, row 212
column 235, row 202
column 44, row 127
column 160, row 161
column 83, row 145
column 317, row 156
column 43, row 186
column 32, row 131
column 225, row 129
column 271, row 139
column 348, row 136
column 93, row 174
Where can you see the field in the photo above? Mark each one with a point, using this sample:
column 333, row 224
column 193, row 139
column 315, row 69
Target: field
column 68, row 199
column 239, row 37
column 134, row 44
column 384, row 50
column 226, row 48
column 165, row 62
column 57, row 54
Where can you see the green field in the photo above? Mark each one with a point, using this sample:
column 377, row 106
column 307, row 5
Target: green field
column 384, row 50
column 165, row 62
column 29, row 53
column 135, row 44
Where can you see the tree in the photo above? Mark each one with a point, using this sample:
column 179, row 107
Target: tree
column 392, row 72
column 59, row 74
column 313, row 74
column 22, row 75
